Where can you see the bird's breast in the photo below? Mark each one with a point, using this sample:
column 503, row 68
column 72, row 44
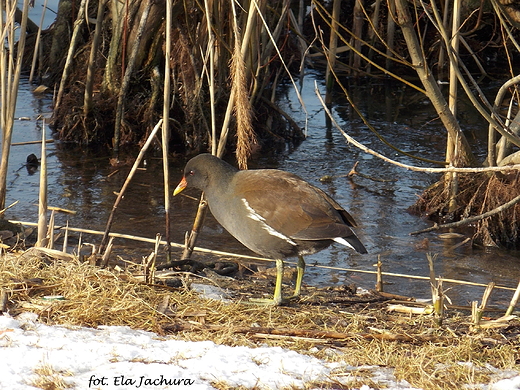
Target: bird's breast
column 250, row 228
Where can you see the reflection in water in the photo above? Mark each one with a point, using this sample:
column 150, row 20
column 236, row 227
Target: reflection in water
column 85, row 181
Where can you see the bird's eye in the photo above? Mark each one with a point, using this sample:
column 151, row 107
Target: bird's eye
column 191, row 173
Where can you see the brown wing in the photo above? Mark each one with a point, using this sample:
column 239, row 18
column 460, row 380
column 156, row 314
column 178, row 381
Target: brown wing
column 292, row 206
column 347, row 218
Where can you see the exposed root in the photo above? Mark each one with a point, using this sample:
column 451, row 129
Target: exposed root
column 478, row 194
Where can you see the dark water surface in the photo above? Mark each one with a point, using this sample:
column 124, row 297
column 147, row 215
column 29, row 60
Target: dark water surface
column 85, row 182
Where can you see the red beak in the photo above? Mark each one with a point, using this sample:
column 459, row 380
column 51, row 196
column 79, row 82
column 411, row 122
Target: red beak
column 181, row 186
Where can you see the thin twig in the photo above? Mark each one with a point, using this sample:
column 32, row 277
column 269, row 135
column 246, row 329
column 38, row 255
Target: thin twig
column 359, row 145
column 127, row 182
column 8, row 207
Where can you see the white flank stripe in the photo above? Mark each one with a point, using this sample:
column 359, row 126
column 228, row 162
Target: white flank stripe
column 341, row 240
column 257, row 217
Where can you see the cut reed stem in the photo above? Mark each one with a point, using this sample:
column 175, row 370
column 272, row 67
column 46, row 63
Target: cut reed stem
column 514, row 301
column 379, row 277
column 42, row 197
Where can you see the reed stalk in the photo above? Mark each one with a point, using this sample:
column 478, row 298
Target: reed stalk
column 299, row 30
column 470, row 85
column 379, row 275
column 108, row 251
column 372, row 33
column 250, row 24
column 357, row 33
column 50, row 231
column 497, row 152
column 89, row 81
column 474, row 313
column 430, row 84
column 80, row 19
column 390, row 35
column 165, row 133
column 441, row 66
column 191, row 238
column 2, row 211
column 454, row 46
column 211, row 76
column 242, row 107
column 42, row 197
column 514, row 301
column 149, row 263
column 129, row 71
column 80, row 242
column 451, row 146
column 37, row 50
column 117, row 48
column 436, row 290
column 66, row 238
column 126, row 183
column 478, row 311
column 10, row 70
column 331, row 53
column 4, row 299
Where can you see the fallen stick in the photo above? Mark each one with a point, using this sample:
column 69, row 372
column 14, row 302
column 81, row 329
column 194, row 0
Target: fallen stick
column 48, row 141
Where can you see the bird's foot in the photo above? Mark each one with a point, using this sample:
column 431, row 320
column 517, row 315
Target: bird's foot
column 267, row 301
column 273, row 302
column 293, row 297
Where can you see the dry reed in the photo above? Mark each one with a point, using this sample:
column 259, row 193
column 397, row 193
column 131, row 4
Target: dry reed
column 245, row 134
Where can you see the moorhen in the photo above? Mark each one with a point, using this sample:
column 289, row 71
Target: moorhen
column 274, row 213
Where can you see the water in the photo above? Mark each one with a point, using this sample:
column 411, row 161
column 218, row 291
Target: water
column 85, row 181
column 380, row 208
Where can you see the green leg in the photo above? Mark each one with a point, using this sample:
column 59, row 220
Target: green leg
column 277, row 297
column 300, row 267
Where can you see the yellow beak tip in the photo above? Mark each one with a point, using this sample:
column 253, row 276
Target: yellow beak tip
column 182, row 185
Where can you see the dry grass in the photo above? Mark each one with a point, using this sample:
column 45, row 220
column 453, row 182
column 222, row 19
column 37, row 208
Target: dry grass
column 331, row 324
column 49, row 379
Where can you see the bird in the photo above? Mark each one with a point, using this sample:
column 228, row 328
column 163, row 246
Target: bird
column 274, row 213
